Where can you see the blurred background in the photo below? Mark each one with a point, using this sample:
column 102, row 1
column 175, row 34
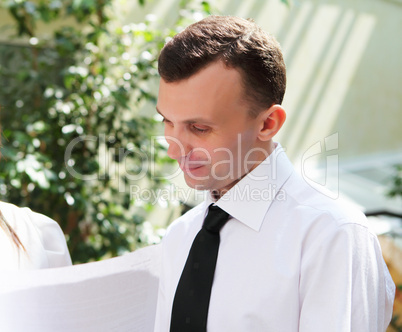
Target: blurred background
column 81, row 141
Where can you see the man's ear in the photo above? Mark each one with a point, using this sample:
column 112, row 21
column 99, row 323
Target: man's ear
column 271, row 121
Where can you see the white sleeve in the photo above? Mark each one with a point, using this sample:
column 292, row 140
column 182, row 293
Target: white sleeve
column 345, row 285
column 53, row 240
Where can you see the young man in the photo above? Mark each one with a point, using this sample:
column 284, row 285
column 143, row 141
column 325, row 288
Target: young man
column 290, row 258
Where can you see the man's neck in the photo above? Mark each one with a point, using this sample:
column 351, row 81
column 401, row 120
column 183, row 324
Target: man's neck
column 216, row 194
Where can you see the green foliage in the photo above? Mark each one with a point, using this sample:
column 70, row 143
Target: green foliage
column 73, row 137
column 394, row 324
column 396, row 188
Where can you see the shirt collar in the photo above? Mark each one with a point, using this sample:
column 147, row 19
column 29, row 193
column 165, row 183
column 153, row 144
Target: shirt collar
column 249, row 200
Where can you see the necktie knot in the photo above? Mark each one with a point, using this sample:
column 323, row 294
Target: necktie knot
column 215, row 219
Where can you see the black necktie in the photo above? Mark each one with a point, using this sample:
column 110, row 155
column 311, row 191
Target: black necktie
column 191, row 301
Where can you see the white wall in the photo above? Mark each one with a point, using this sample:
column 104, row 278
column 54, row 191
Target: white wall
column 344, row 68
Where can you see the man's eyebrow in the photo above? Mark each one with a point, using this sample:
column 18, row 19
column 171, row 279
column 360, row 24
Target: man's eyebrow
column 198, row 120
column 189, row 121
column 160, row 113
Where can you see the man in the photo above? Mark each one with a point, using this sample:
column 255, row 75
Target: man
column 290, row 258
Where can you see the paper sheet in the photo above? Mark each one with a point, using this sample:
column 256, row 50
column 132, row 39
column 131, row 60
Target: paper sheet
column 117, row 294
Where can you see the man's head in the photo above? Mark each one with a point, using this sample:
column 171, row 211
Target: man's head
column 222, row 80
column 239, row 44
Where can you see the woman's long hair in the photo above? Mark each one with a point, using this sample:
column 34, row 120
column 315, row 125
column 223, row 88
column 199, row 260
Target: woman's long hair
column 10, row 232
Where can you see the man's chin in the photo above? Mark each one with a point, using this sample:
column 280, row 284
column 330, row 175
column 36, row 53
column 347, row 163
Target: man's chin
column 202, row 185
column 197, row 184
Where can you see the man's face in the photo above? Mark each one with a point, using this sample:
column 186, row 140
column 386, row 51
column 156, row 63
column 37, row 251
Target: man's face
column 208, row 127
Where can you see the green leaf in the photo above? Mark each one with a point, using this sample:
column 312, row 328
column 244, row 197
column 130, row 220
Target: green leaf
column 206, row 6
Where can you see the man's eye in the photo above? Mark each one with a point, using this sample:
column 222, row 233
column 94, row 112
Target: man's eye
column 200, row 129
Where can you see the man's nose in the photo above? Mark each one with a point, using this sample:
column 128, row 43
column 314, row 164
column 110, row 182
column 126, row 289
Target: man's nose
column 178, row 148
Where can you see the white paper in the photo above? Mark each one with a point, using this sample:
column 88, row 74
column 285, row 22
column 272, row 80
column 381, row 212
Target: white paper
column 117, row 294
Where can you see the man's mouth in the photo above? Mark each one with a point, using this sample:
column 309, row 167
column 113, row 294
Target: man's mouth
column 191, row 166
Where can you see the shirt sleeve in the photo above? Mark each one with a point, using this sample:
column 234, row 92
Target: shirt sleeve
column 345, row 285
column 53, row 240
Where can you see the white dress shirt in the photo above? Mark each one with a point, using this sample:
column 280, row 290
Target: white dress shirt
column 291, row 259
column 42, row 238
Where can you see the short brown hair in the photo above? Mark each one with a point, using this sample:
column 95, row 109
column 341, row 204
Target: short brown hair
column 240, row 44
